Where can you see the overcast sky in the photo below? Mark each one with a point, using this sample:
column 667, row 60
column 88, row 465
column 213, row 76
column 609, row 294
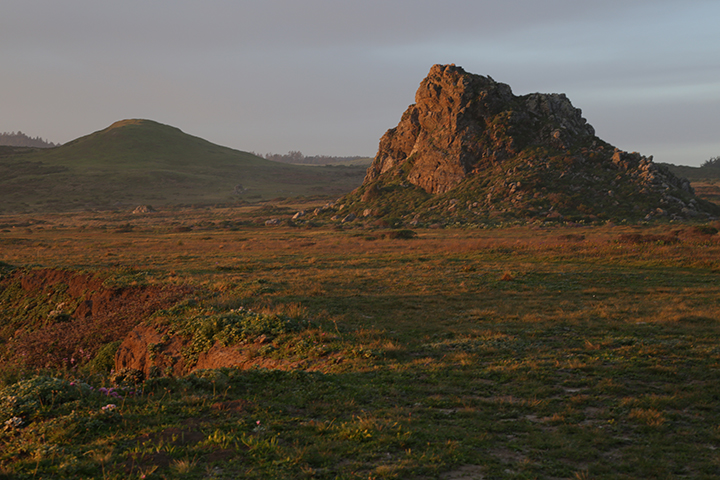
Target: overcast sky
column 329, row 77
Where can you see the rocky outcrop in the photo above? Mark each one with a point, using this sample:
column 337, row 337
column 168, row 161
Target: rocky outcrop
column 471, row 150
column 461, row 123
column 143, row 209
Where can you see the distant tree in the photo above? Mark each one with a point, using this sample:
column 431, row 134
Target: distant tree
column 713, row 162
column 19, row 139
column 295, row 156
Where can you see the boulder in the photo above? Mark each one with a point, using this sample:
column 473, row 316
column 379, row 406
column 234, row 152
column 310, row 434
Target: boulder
column 143, row 209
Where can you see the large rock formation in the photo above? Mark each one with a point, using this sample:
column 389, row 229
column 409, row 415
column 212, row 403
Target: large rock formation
column 469, row 150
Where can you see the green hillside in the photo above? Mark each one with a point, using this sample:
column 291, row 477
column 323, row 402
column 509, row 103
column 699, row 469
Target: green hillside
column 705, row 173
column 144, row 162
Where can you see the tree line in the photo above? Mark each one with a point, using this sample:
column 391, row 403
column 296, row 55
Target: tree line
column 712, row 162
column 19, row 139
column 296, row 157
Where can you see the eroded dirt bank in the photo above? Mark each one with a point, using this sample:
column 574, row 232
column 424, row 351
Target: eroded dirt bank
column 62, row 318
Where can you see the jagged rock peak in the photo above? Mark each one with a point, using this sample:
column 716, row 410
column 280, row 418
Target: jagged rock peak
column 469, row 150
column 462, row 122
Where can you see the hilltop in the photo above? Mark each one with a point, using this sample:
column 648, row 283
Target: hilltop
column 470, row 151
column 140, row 161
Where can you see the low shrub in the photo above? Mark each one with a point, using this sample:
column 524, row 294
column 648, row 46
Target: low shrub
column 401, row 234
column 704, row 230
column 104, row 360
column 26, row 397
column 234, row 327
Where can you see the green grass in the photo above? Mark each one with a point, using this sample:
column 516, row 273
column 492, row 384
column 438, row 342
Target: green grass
column 511, row 353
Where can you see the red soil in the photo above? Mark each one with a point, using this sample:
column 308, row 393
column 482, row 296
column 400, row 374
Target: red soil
column 102, row 315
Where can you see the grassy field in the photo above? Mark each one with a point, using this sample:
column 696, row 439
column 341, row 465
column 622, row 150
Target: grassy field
column 528, row 352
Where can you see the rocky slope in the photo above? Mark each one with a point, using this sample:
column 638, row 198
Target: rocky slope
column 470, row 151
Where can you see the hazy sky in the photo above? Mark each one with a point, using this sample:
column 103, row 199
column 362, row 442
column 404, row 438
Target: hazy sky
column 331, row 76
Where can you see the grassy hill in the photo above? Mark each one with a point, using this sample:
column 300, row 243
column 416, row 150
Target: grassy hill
column 140, row 161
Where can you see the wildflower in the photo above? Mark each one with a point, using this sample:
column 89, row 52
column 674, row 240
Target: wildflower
column 109, row 407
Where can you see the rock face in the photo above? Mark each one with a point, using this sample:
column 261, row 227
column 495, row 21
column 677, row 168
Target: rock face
column 471, row 149
column 461, row 122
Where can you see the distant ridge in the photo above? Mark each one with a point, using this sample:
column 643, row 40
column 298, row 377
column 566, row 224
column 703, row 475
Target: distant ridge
column 142, row 162
column 470, row 152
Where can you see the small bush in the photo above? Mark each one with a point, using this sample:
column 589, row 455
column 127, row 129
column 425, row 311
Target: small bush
column 402, row 234
column 126, row 228
column 573, row 237
column 704, row 230
column 233, row 327
column 104, row 360
column 127, row 377
column 26, row 397
column 5, row 268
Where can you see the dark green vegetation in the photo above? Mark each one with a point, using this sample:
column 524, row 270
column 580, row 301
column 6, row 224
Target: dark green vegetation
column 555, row 352
column 136, row 162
